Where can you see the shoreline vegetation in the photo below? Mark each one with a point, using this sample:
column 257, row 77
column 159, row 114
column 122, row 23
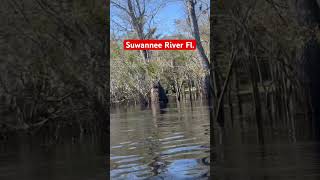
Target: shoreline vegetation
column 264, row 50
column 54, row 72
column 138, row 76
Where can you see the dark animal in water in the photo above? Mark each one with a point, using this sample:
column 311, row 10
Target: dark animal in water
column 158, row 94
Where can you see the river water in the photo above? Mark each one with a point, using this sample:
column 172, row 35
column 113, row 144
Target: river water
column 34, row 158
column 168, row 143
column 173, row 143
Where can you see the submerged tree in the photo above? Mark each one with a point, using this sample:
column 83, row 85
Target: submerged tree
column 260, row 47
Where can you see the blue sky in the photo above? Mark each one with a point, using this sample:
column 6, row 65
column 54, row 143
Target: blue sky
column 165, row 19
column 167, row 16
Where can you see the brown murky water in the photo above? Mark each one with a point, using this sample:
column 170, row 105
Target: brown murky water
column 174, row 144
column 28, row 158
column 286, row 149
column 171, row 143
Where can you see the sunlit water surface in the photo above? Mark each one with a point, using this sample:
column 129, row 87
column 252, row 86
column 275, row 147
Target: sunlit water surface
column 174, row 144
column 168, row 143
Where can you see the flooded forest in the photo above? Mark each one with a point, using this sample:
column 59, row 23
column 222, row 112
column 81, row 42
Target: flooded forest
column 250, row 92
column 53, row 72
column 54, row 84
column 244, row 105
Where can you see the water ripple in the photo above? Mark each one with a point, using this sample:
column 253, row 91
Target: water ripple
column 164, row 146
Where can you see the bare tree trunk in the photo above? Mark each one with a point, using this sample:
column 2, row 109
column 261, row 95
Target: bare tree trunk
column 230, row 104
column 214, row 81
column 256, row 100
column 196, row 34
column 138, row 25
column 220, row 103
column 237, row 91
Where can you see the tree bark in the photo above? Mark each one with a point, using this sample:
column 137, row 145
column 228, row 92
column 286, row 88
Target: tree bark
column 138, row 25
column 196, row 34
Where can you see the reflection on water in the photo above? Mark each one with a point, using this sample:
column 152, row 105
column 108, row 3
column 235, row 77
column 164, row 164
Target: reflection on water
column 27, row 158
column 286, row 150
column 174, row 144
column 270, row 162
column 160, row 143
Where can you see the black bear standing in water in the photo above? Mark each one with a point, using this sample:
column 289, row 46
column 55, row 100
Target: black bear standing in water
column 158, row 94
column 162, row 94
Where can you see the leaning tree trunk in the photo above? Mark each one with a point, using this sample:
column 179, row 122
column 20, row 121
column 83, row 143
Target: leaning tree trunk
column 201, row 52
column 211, row 83
column 196, row 34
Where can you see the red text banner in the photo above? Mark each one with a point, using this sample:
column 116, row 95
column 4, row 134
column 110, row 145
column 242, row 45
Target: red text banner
column 135, row 44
